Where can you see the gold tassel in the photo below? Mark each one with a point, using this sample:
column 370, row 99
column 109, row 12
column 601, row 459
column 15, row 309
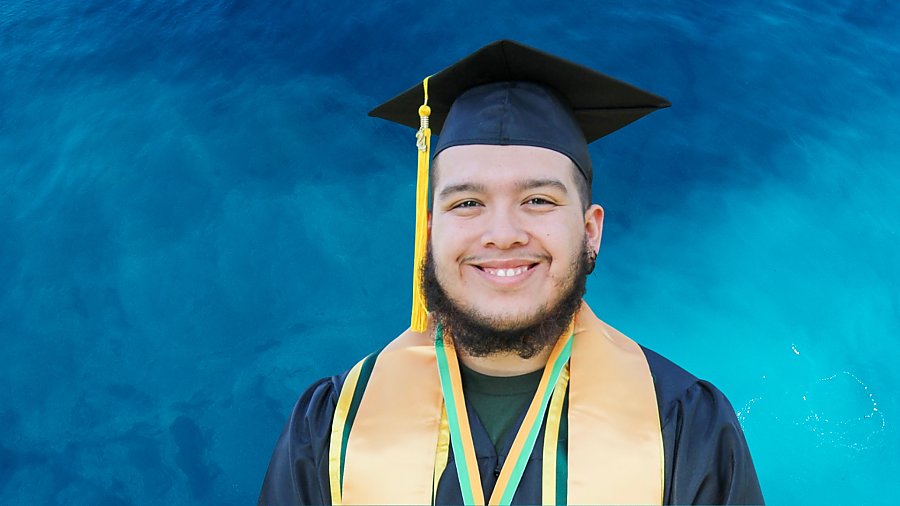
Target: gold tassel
column 419, row 318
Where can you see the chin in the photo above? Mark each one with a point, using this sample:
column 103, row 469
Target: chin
column 506, row 320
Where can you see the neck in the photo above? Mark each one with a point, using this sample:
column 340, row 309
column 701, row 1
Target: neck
column 505, row 364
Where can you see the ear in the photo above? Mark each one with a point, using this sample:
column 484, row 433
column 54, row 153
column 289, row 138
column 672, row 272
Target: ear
column 593, row 226
column 429, row 225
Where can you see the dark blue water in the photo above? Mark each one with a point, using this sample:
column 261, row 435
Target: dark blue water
column 197, row 219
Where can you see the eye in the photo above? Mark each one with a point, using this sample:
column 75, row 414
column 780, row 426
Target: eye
column 466, row 204
column 539, row 201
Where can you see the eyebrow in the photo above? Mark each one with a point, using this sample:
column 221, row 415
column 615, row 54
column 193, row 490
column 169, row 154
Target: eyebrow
column 531, row 184
column 462, row 188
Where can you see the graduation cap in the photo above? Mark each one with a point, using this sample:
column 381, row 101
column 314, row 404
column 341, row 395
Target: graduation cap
column 507, row 93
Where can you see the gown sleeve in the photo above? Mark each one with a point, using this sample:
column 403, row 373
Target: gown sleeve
column 707, row 457
column 298, row 470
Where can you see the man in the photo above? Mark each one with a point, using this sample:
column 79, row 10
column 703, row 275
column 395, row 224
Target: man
column 510, row 390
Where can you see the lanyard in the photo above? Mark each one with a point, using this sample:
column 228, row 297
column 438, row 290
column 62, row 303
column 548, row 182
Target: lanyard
column 461, row 434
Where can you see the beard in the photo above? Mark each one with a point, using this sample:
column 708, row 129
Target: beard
column 481, row 335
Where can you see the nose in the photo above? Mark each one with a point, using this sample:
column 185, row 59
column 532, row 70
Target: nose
column 503, row 231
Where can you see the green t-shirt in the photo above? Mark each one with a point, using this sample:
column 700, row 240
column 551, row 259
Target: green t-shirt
column 499, row 401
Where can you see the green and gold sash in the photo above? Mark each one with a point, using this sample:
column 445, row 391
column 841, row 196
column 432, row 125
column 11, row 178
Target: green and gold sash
column 392, row 427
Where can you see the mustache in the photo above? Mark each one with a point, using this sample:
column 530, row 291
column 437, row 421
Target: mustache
column 533, row 257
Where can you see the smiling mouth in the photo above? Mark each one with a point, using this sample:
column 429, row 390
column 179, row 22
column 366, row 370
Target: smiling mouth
column 507, row 273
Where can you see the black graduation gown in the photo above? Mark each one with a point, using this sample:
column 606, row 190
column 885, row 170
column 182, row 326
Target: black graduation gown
column 706, row 456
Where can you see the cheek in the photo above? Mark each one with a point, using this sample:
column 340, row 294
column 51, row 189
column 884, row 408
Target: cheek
column 563, row 243
column 444, row 251
column 448, row 237
column 555, row 231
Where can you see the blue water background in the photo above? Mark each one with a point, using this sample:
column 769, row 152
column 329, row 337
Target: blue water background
column 197, row 220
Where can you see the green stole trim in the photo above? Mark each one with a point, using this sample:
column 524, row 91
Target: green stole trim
column 364, row 374
column 562, row 461
column 460, row 432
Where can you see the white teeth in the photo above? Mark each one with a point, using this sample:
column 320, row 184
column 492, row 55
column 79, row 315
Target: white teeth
column 505, row 273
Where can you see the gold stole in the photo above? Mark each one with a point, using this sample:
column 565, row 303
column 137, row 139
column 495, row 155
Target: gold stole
column 615, row 455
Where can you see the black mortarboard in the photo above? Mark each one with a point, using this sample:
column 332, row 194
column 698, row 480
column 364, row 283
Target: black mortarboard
column 507, row 93
column 531, row 98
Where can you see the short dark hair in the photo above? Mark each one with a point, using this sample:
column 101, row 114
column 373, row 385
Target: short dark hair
column 581, row 185
column 584, row 188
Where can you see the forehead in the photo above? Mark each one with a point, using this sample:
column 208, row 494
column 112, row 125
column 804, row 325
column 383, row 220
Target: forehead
column 498, row 165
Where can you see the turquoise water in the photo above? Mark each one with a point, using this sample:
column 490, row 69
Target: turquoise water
column 197, row 219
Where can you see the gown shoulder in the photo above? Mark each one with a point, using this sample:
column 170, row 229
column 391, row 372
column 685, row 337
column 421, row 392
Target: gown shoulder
column 300, row 458
column 706, row 455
